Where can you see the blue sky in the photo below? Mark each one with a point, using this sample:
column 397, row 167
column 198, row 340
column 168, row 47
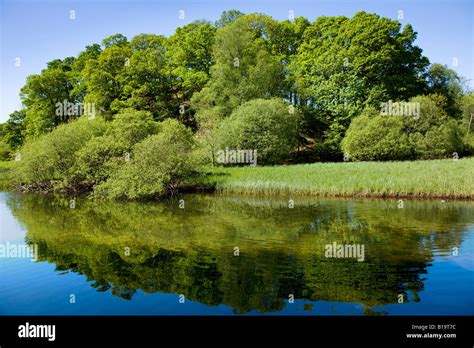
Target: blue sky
column 38, row 31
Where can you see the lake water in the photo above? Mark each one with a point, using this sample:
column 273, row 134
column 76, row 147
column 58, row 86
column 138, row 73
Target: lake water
column 223, row 255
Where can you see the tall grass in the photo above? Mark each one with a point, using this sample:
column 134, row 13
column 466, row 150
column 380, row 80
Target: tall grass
column 423, row 179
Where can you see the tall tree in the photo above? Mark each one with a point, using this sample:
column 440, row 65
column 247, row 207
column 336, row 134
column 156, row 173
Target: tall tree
column 243, row 69
column 79, row 91
column 13, row 129
column 445, row 81
column 228, row 17
column 104, row 77
column 190, row 59
column 345, row 64
column 148, row 83
column 42, row 92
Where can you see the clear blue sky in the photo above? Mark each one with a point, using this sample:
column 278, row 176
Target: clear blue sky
column 38, row 31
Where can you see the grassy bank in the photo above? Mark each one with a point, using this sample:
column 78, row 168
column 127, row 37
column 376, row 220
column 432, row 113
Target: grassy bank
column 420, row 179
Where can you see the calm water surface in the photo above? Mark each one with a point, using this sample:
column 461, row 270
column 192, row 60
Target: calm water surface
column 159, row 259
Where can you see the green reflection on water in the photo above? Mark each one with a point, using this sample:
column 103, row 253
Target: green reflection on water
column 158, row 247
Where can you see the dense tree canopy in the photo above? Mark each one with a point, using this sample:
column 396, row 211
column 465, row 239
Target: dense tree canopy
column 244, row 69
column 345, row 64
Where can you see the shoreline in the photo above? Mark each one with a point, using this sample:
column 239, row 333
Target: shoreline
column 415, row 180
column 383, row 195
column 224, row 192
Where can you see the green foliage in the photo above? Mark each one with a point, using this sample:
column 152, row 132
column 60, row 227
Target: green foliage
column 98, row 158
column 40, row 95
column 151, row 73
column 103, row 155
column 5, row 168
column 115, row 40
column 432, row 134
column 158, row 165
column 244, row 69
column 219, row 80
column 345, row 64
column 62, row 80
column 372, row 137
column 4, row 148
column 51, row 157
column 435, row 134
column 441, row 141
column 131, row 126
column 446, row 82
column 190, row 51
column 123, row 159
column 467, row 108
column 146, row 82
column 228, row 17
column 267, row 126
column 12, row 130
column 79, row 91
column 104, row 78
column 5, row 151
column 190, row 59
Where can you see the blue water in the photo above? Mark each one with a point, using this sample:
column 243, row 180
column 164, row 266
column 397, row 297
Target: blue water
column 443, row 283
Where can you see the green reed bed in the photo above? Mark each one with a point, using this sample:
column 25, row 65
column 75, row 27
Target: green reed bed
column 422, row 179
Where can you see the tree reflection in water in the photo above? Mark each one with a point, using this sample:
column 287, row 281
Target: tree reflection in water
column 157, row 247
